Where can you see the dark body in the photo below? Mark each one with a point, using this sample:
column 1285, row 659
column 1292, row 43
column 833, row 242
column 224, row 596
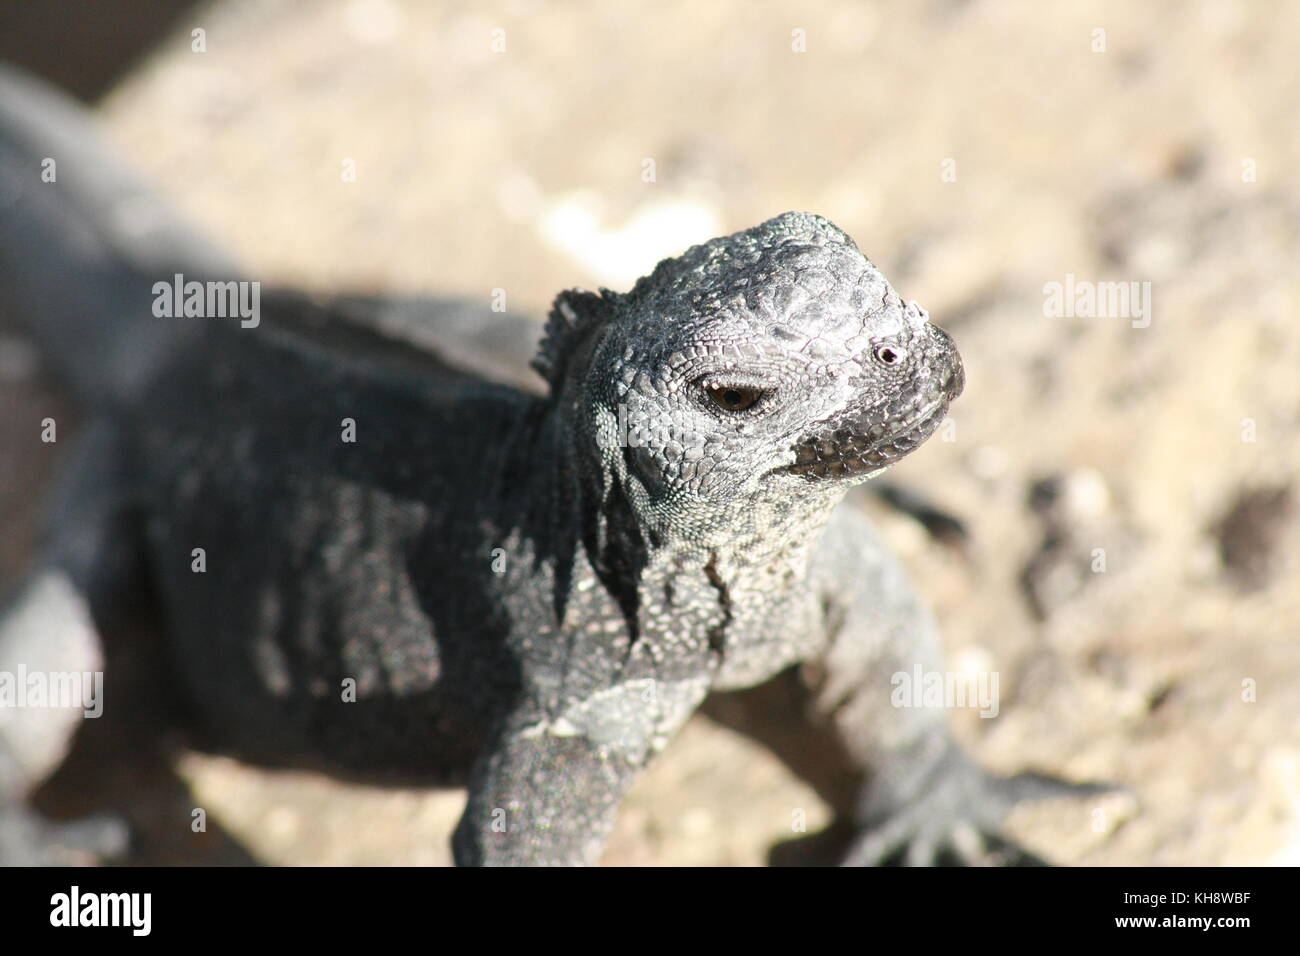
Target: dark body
column 368, row 559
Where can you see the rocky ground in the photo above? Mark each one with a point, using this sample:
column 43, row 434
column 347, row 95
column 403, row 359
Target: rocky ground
column 1128, row 481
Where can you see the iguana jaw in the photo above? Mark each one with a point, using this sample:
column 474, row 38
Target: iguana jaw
column 857, row 452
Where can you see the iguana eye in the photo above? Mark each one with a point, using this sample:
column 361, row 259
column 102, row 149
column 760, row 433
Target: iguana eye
column 889, row 354
column 734, row 398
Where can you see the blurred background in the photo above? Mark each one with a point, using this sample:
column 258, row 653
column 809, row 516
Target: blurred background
column 1129, row 490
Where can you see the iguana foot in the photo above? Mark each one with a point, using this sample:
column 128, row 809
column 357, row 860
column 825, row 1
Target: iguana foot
column 955, row 820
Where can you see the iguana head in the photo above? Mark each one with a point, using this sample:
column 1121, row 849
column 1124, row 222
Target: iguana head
column 774, row 361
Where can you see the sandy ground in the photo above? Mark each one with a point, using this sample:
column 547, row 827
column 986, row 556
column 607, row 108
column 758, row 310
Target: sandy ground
column 1128, row 481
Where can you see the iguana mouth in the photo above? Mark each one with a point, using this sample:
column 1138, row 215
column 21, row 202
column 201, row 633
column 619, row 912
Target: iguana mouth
column 852, row 449
column 871, row 438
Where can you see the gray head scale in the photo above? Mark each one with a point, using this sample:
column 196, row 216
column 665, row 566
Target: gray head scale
column 777, row 361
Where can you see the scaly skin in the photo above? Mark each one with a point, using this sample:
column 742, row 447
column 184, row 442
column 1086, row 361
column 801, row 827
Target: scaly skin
column 530, row 593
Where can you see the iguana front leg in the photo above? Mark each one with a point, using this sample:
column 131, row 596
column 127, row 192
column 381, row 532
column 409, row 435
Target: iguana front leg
column 547, row 791
column 902, row 788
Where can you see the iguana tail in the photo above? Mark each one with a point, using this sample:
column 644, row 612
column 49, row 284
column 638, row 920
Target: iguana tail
column 82, row 243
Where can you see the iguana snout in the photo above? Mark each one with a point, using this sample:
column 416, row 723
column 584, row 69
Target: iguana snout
column 907, row 384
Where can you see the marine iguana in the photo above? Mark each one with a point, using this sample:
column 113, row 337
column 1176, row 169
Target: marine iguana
column 373, row 562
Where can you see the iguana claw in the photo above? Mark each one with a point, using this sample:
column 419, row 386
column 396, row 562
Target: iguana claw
column 956, row 820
